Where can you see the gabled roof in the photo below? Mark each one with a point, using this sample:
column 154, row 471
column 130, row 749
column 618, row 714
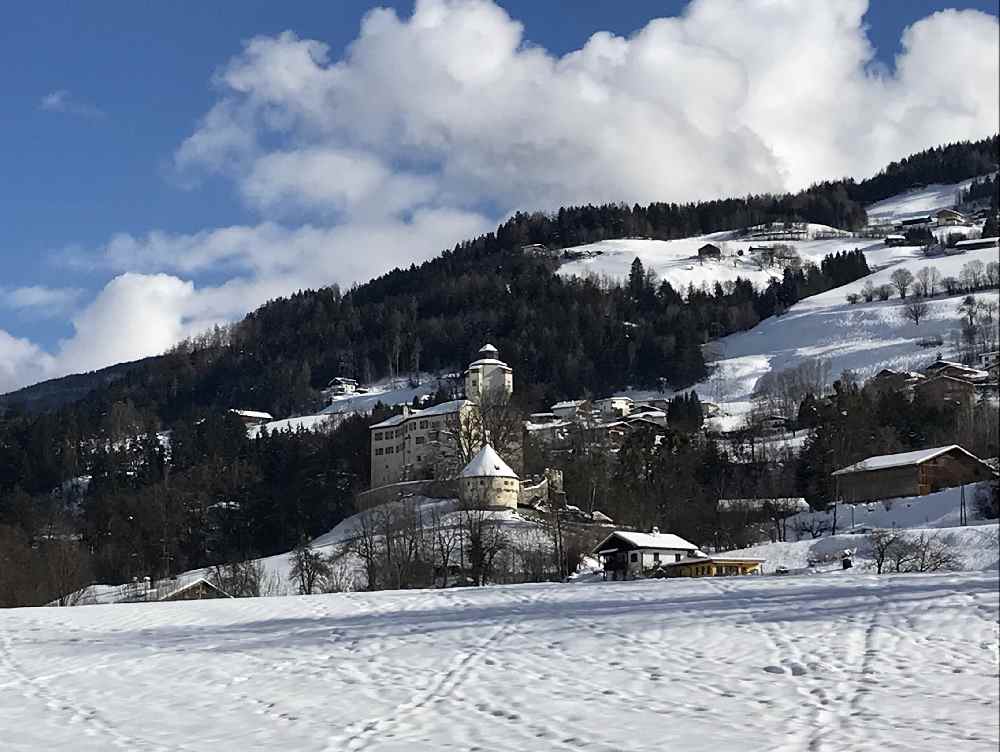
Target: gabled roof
column 253, row 414
column 648, row 540
column 487, row 464
column 445, row 408
column 567, row 404
column 902, row 459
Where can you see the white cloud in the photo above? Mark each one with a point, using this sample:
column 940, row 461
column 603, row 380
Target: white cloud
column 434, row 126
column 21, row 363
column 62, row 101
column 39, row 301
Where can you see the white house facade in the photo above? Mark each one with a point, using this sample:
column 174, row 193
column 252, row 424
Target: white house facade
column 408, row 446
column 488, row 374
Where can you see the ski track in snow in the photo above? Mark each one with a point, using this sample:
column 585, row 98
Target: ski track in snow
column 789, row 664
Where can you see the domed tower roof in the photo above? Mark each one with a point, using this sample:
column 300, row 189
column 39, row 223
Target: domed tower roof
column 488, row 464
column 488, row 351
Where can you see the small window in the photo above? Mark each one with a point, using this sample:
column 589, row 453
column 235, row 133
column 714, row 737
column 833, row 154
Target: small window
column 633, row 557
column 436, row 424
column 388, row 450
column 421, row 440
column 423, row 424
column 677, row 557
column 379, row 451
column 419, row 458
column 378, row 436
column 656, row 557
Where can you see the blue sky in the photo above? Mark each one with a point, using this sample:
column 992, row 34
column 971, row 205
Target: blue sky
column 98, row 99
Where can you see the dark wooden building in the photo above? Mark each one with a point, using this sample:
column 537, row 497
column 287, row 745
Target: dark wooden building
column 709, row 251
column 910, row 474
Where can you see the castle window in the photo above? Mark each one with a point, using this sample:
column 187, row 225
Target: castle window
column 379, row 451
column 378, row 436
column 423, row 424
column 388, row 450
column 421, row 440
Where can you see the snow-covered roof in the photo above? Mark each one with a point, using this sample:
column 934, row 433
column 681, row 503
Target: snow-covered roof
column 487, row 464
column 978, row 241
column 445, row 408
column 490, row 362
column 649, row 540
column 253, row 414
column 722, row 558
column 902, row 459
column 566, row 404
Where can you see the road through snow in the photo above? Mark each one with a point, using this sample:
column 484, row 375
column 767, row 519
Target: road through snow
column 837, row 662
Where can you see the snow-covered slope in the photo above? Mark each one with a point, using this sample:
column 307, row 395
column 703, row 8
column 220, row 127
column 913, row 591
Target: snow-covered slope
column 936, row 514
column 676, row 261
column 847, row 662
column 863, row 337
column 917, row 202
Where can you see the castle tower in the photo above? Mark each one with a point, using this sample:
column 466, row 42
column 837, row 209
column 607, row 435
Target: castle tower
column 488, row 374
column 488, row 482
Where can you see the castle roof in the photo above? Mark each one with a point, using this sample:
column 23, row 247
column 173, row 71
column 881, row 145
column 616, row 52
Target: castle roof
column 488, row 464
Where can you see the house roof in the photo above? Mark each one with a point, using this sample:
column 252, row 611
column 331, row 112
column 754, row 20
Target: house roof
column 649, row 540
column 194, row 583
column 722, row 559
column 985, row 242
column 902, row 459
column 567, row 404
column 253, row 414
column 487, row 464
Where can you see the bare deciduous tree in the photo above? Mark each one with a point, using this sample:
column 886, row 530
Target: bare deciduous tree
column 308, row 567
column 915, row 311
column 901, row 279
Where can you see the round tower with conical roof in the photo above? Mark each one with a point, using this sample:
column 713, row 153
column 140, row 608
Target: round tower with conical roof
column 488, row 482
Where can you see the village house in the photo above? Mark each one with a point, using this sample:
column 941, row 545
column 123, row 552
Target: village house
column 488, row 482
column 199, row 589
column 340, row 386
column 941, row 389
column 710, row 566
column 572, row 409
column 888, row 381
column 613, row 407
column 626, row 555
column 709, row 251
column 253, row 417
column 910, row 474
column 949, row 217
column 914, row 223
column 956, row 370
column 895, row 240
column 971, row 245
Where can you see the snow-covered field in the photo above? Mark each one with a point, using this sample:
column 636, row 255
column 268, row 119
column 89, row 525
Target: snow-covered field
column 842, row 662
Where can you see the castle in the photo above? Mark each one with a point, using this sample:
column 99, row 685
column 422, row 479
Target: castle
column 411, row 446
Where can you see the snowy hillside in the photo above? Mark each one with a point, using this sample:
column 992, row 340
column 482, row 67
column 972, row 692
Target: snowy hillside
column 918, row 202
column 864, row 337
column 848, row 662
column 938, row 514
column 676, row 261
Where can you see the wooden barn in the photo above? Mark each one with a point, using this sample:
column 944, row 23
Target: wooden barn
column 200, row 589
column 709, row 251
column 910, row 474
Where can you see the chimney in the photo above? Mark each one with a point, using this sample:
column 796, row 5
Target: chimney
column 655, row 530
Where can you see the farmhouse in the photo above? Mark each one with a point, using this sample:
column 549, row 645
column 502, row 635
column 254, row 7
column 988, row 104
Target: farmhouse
column 626, row 555
column 711, row 566
column 949, row 217
column 910, row 474
column 956, row 370
column 253, row 417
column 200, row 589
column 895, row 240
column 572, row 409
column 947, row 390
column 709, row 251
column 971, row 245
column 488, row 482
column 614, row 407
